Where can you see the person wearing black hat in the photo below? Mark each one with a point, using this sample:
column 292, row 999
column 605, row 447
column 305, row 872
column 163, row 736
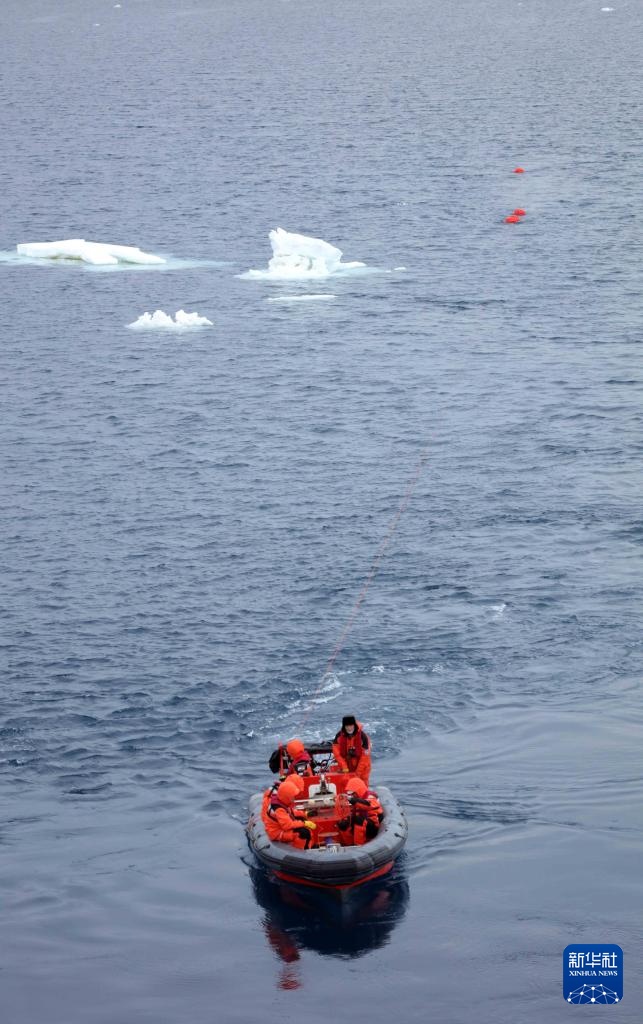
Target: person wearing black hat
column 352, row 749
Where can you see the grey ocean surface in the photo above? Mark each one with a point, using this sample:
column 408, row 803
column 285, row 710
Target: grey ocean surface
column 187, row 519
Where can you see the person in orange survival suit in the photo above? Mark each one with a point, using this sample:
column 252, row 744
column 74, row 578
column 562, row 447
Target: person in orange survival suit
column 299, row 760
column 352, row 749
column 366, row 815
column 267, row 797
column 283, row 823
column 272, row 792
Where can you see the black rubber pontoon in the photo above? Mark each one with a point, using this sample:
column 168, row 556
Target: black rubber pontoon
column 348, row 865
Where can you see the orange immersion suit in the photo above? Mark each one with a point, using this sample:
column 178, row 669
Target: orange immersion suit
column 353, row 753
column 365, row 816
column 299, row 760
column 285, row 824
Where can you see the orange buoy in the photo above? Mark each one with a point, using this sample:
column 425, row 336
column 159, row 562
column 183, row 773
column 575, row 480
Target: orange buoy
column 519, row 170
column 520, row 213
column 512, row 219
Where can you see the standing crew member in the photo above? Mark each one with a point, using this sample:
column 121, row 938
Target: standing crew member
column 352, row 749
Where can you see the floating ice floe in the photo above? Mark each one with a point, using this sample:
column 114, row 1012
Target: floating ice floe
column 160, row 321
column 319, row 297
column 164, row 264
column 300, row 257
column 96, row 253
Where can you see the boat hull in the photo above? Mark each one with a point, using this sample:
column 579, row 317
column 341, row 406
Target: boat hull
column 321, row 868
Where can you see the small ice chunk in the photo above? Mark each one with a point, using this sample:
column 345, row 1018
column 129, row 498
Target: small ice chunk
column 184, row 319
column 297, row 257
column 96, row 253
column 319, row 297
column 160, row 321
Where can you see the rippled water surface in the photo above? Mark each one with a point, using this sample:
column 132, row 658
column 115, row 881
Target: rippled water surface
column 187, row 519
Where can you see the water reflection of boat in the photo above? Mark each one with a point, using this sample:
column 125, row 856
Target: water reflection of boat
column 348, row 924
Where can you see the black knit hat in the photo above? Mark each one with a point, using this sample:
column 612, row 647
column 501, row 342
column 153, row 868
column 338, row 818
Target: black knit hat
column 348, row 720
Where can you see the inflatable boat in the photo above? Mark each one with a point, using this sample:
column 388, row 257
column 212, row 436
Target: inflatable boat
column 329, row 864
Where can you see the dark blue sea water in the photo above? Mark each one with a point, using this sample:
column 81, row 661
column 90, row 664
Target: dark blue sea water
column 187, row 519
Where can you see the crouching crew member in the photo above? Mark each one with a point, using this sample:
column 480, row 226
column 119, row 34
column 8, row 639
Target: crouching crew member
column 285, row 824
column 272, row 794
column 366, row 815
column 352, row 749
column 299, row 760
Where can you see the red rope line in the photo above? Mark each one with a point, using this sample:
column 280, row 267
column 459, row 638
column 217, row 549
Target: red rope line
column 369, row 579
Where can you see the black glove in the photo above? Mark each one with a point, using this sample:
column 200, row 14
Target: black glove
column 344, row 824
column 303, row 833
column 359, row 819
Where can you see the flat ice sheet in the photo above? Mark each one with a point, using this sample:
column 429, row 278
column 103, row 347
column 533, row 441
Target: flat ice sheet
column 168, row 263
column 96, row 253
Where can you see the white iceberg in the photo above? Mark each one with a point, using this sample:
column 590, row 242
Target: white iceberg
column 96, row 253
column 300, row 257
column 160, row 321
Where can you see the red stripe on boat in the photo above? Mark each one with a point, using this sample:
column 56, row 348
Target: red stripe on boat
column 347, row 885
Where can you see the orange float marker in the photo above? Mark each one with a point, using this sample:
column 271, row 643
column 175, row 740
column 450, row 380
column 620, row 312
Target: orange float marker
column 519, row 170
column 512, row 219
column 520, row 213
